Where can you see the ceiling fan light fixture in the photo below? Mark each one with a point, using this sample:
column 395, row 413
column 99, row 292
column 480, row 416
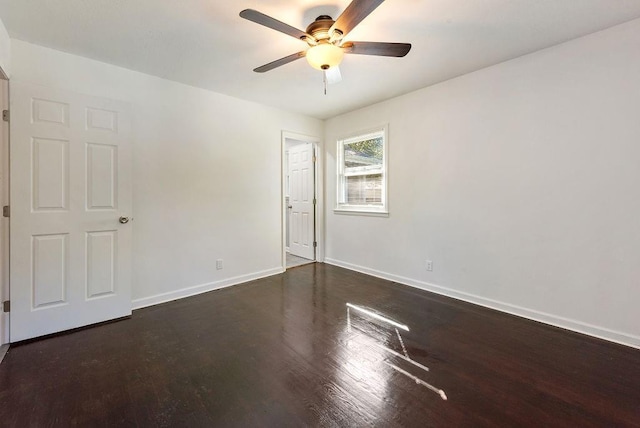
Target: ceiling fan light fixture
column 324, row 56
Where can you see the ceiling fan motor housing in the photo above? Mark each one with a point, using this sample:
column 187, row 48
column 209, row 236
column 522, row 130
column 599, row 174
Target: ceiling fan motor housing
column 325, row 51
column 319, row 28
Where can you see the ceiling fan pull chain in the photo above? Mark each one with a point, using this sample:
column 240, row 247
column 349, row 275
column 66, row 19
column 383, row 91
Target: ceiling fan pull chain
column 324, row 80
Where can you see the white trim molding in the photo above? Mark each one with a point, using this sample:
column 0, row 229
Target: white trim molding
column 543, row 317
column 3, row 351
column 342, row 206
column 202, row 288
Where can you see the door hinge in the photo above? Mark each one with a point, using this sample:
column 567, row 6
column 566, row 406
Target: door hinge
column 5, row 211
column 6, row 306
column 315, row 244
column 314, row 201
column 314, row 159
column 5, row 115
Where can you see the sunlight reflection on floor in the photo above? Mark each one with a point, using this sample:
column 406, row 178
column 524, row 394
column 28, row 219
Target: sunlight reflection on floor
column 371, row 360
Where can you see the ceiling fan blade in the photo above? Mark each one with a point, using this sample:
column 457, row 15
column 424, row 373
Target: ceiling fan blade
column 281, row 61
column 333, row 75
column 353, row 14
column 377, row 48
column 267, row 21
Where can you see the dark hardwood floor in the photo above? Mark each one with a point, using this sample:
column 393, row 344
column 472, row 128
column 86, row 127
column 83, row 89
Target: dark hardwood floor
column 281, row 352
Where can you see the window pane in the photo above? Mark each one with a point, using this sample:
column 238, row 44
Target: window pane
column 364, row 189
column 363, row 155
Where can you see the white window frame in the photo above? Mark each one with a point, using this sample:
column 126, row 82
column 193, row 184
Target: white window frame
column 374, row 210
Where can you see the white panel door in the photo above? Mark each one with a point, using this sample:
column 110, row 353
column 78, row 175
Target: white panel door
column 301, row 198
column 70, row 157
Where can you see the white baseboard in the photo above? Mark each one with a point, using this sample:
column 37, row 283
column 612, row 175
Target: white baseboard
column 3, row 351
column 202, row 288
column 557, row 321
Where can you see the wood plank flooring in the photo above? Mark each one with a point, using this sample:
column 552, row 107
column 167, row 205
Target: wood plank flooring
column 282, row 351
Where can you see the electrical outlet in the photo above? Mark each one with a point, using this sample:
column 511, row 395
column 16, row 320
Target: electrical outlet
column 429, row 265
column 219, row 264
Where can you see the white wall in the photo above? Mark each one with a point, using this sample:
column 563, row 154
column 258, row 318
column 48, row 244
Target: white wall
column 520, row 181
column 5, row 51
column 207, row 173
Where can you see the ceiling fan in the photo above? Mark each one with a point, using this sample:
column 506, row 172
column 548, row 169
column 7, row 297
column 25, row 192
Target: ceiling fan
column 325, row 38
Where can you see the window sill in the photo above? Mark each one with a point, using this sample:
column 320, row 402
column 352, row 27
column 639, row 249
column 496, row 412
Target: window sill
column 361, row 211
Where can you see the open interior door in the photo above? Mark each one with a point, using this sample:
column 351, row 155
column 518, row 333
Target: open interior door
column 302, row 201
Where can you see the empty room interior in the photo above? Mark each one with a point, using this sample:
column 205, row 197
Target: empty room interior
column 311, row 213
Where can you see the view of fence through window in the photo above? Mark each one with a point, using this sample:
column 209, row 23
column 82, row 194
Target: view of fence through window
column 363, row 167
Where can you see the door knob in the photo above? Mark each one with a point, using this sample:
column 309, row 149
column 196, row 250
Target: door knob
column 123, row 220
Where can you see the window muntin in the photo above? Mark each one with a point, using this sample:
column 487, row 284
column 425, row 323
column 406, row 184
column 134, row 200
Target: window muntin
column 362, row 173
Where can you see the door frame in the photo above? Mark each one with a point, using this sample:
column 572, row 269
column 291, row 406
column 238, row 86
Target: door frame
column 318, row 190
column 4, row 222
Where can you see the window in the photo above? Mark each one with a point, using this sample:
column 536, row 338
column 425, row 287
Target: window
column 362, row 173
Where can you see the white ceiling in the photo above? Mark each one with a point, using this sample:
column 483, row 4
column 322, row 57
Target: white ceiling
column 205, row 43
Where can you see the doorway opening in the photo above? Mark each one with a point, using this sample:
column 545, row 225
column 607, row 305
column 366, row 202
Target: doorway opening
column 300, row 190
